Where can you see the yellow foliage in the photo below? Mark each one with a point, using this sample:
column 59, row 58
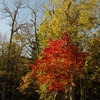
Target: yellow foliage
column 67, row 15
column 26, row 81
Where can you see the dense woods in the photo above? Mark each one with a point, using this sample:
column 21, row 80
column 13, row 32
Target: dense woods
column 52, row 55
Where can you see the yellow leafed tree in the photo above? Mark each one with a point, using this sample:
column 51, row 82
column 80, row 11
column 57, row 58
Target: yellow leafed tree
column 72, row 16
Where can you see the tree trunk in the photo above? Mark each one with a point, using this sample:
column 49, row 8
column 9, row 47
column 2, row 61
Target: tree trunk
column 77, row 90
column 7, row 66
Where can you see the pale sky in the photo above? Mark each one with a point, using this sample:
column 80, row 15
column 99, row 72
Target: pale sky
column 4, row 27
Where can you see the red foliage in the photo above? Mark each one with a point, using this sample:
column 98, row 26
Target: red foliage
column 59, row 61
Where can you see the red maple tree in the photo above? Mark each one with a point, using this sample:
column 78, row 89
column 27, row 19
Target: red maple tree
column 58, row 62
